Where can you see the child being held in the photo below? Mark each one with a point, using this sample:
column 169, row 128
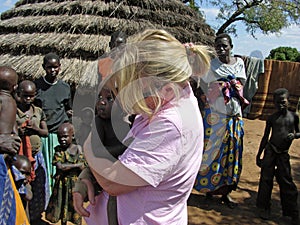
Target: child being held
column 69, row 161
column 110, row 141
column 283, row 126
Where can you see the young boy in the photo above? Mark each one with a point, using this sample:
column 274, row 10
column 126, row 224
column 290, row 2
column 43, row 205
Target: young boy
column 284, row 128
column 31, row 121
column 54, row 97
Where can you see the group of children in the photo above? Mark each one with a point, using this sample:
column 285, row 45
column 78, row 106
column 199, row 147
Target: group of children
column 19, row 115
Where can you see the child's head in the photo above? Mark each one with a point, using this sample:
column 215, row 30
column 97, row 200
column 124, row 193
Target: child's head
column 8, row 79
column 117, row 38
column 23, row 164
column 27, row 91
column 51, row 64
column 36, row 143
column 65, row 134
column 87, row 115
column 104, row 103
column 280, row 98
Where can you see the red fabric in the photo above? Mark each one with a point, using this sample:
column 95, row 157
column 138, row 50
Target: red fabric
column 229, row 89
column 26, row 150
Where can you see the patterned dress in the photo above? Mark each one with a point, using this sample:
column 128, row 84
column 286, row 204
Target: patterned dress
column 61, row 202
column 222, row 157
column 223, row 129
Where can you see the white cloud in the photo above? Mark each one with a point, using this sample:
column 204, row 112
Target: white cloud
column 9, row 3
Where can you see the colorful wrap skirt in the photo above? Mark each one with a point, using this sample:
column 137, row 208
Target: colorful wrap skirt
column 222, row 156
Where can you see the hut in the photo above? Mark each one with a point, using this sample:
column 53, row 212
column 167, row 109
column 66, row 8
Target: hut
column 79, row 31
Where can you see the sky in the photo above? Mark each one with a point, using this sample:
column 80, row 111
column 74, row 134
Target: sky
column 244, row 43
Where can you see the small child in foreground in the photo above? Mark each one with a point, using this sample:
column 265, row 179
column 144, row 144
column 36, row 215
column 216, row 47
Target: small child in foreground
column 69, row 161
column 283, row 126
column 21, row 167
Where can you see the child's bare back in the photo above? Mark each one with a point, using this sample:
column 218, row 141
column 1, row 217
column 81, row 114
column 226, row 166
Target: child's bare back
column 8, row 107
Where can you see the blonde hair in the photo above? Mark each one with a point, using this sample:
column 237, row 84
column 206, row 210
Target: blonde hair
column 151, row 60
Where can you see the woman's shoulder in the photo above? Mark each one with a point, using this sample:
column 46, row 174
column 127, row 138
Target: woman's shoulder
column 239, row 60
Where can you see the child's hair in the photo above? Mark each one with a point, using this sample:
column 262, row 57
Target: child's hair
column 158, row 58
column 68, row 125
column 280, row 91
column 6, row 77
column 50, row 56
column 224, row 35
column 24, row 84
column 20, row 160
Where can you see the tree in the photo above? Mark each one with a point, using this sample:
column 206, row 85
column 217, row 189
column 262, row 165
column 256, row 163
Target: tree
column 268, row 16
column 284, row 54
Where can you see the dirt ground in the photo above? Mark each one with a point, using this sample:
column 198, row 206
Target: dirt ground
column 212, row 212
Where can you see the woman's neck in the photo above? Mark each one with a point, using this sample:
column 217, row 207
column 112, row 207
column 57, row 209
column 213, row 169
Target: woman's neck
column 227, row 60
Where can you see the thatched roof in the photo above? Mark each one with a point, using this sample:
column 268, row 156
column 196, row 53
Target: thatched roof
column 79, row 31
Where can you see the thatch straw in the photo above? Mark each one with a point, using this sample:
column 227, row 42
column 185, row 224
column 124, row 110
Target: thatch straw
column 79, row 31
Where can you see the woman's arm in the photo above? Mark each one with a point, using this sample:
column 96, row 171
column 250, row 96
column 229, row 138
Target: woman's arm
column 122, row 174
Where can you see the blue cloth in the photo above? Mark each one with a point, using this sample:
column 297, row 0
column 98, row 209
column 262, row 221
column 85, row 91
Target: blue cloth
column 7, row 198
column 223, row 148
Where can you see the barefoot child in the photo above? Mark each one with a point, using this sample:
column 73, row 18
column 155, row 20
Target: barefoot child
column 283, row 126
column 32, row 125
column 69, row 161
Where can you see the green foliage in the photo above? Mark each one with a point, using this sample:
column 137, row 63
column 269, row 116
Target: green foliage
column 285, row 54
column 268, row 16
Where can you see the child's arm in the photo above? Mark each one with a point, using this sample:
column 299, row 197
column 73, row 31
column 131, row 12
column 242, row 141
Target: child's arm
column 41, row 130
column 69, row 166
column 263, row 143
column 29, row 193
column 85, row 189
column 296, row 135
column 81, row 164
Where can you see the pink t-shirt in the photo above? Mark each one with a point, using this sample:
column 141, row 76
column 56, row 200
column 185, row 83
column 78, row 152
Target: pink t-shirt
column 166, row 152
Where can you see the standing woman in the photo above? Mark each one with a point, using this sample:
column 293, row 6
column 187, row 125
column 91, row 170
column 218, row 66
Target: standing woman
column 154, row 177
column 54, row 97
column 223, row 125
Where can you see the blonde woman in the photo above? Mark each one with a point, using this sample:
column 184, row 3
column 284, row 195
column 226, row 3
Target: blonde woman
column 153, row 178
